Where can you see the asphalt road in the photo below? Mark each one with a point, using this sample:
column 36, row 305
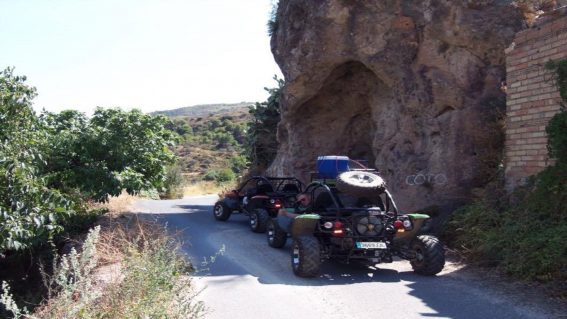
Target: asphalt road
column 242, row 277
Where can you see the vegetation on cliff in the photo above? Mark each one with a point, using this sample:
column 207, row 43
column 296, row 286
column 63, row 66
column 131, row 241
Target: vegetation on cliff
column 525, row 236
column 262, row 143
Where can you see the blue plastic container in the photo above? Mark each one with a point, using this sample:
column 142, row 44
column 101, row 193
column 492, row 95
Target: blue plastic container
column 331, row 166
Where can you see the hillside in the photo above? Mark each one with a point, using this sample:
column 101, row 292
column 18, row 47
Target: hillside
column 203, row 110
column 212, row 144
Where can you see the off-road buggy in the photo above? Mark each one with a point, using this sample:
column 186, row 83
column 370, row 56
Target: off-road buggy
column 260, row 198
column 356, row 219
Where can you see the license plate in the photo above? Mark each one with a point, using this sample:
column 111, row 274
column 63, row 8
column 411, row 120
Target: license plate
column 371, row 245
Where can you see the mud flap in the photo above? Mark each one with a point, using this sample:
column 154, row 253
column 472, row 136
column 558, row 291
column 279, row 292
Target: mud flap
column 404, row 238
column 304, row 224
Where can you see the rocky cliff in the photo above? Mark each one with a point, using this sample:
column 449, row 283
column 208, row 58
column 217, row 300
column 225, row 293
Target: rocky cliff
column 410, row 86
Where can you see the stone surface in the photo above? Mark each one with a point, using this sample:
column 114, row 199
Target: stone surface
column 409, row 86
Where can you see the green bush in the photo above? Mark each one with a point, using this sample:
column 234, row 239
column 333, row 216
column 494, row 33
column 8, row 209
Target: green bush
column 210, row 176
column 273, row 22
column 262, row 143
column 225, row 175
column 111, row 151
column 174, row 182
column 30, row 211
column 526, row 239
column 238, row 163
column 51, row 164
column 220, row 176
column 557, row 137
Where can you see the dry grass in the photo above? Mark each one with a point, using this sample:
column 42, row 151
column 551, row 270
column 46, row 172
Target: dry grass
column 204, row 188
column 117, row 204
column 119, row 233
column 139, row 273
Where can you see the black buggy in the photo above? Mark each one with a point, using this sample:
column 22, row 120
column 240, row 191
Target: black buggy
column 260, row 198
column 356, row 219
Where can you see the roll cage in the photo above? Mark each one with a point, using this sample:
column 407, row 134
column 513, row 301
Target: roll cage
column 266, row 184
column 327, row 200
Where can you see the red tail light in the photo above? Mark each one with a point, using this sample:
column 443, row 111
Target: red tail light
column 277, row 204
column 398, row 224
column 338, row 230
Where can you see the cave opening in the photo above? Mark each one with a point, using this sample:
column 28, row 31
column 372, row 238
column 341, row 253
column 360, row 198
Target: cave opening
column 340, row 118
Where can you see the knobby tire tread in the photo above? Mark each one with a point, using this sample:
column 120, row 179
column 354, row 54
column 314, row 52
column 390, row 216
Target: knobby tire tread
column 434, row 255
column 280, row 236
column 310, row 255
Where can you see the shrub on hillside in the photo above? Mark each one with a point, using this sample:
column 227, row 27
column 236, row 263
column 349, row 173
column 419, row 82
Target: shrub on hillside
column 174, row 182
column 153, row 281
column 220, row 176
column 526, row 239
column 238, row 163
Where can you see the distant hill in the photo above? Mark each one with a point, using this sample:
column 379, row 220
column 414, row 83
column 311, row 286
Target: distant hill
column 203, row 110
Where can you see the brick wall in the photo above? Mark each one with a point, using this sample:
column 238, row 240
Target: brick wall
column 533, row 98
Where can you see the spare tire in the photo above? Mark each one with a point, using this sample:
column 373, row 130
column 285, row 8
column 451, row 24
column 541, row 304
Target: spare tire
column 360, row 183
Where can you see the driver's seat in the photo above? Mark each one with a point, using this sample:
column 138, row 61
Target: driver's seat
column 290, row 188
column 263, row 189
column 323, row 202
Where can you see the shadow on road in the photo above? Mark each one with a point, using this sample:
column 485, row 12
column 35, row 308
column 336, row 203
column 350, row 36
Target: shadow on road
column 226, row 252
column 231, row 249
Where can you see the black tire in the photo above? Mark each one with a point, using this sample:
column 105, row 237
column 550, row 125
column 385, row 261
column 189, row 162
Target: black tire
column 277, row 237
column 360, row 183
column 305, row 256
column 259, row 220
column 221, row 211
column 430, row 255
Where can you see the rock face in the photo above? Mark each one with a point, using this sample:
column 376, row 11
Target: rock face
column 409, row 86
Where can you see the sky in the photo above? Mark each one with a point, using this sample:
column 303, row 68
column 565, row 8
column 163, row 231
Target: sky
column 148, row 54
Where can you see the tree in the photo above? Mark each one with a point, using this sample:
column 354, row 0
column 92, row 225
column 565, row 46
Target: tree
column 262, row 141
column 30, row 211
column 112, row 151
column 50, row 164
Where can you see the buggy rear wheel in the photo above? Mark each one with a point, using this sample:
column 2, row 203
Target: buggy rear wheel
column 221, row 211
column 259, row 220
column 306, row 256
column 277, row 237
column 430, row 255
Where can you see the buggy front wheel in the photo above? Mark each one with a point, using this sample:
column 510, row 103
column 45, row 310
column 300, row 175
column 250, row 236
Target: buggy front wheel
column 429, row 255
column 221, row 211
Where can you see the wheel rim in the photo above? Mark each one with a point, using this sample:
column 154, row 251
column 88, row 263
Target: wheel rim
column 361, row 179
column 218, row 210
column 419, row 257
column 271, row 233
column 253, row 221
column 295, row 259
